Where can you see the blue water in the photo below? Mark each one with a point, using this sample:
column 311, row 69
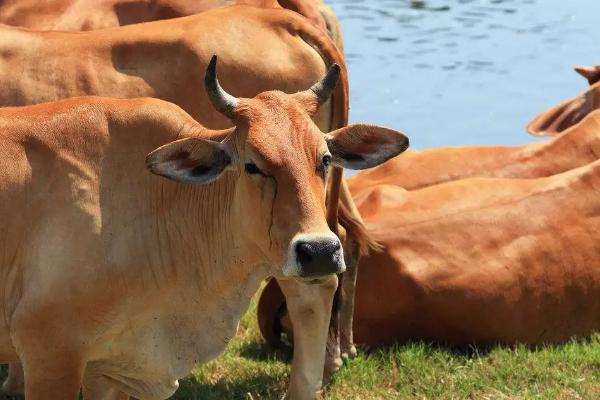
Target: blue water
column 465, row 71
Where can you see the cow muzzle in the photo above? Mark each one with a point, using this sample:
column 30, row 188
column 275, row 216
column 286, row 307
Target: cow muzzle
column 313, row 256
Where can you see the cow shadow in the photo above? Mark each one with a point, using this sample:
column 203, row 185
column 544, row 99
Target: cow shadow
column 3, row 375
column 261, row 351
column 258, row 386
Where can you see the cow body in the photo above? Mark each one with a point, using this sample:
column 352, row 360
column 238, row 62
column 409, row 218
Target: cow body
column 86, row 15
column 260, row 49
column 132, row 278
column 576, row 146
column 165, row 59
column 388, row 207
column 108, row 253
column 482, row 260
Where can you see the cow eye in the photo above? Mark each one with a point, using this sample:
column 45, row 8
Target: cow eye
column 324, row 165
column 252, row 169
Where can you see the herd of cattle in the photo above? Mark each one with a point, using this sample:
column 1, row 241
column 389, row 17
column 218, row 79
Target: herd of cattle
column 484, row 244
column 138, row 222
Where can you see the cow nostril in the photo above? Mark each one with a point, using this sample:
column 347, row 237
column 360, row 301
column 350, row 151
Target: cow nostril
column 304, row 253
column 336, row 246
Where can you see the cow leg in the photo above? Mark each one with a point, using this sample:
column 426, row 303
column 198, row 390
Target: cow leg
column 352, row 252
column 309, row 306
column 14, row 385
column 346, row 303
column 333, row 359
column 52, row 369
column 52, row 376
column 97, row 387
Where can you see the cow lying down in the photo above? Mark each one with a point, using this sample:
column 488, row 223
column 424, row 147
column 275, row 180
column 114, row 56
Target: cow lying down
column 87, row 15
column 482, row 260
column 120, row 280
column 576, row 146
column 479, row 260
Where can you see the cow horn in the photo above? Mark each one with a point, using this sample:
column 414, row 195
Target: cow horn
column 325, row 86
column 220, row 99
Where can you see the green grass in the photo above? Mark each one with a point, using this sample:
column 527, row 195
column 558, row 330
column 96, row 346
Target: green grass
column 250, row 370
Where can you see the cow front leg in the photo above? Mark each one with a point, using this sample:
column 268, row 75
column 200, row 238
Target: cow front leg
column 309, row 307
column 14, row 385
column 52, row 376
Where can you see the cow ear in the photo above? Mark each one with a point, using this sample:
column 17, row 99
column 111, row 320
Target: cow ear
column 556, row 119
column 363, row 146
column 592, row 74
column 191, row 160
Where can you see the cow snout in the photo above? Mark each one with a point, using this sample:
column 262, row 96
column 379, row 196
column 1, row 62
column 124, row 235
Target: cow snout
column 315, row 256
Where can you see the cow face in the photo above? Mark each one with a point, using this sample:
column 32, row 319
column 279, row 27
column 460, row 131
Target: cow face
column 570, row 112
column 281, row 160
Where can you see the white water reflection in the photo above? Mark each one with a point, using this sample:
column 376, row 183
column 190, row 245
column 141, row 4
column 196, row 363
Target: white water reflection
column 465, row 71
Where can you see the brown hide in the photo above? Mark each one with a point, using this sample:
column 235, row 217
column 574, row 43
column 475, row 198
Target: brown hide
column 482, row 260
column 477, row 224
column 87, row 15
column 576, row 146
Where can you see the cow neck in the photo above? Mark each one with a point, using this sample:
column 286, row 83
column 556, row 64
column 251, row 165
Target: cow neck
column 186, row 231
column 197, row 234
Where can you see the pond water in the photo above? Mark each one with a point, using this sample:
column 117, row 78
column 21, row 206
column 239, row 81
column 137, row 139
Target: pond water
column 464, row 71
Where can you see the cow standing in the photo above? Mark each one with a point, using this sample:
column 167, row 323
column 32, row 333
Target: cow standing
column 133, row 278
column 261, row 49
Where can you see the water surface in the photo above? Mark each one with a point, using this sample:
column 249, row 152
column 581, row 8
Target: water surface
column 464, row 71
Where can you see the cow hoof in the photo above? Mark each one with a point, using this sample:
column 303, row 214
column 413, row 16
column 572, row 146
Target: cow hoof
column 11, row 390
column 349, row 353
column 331, row 367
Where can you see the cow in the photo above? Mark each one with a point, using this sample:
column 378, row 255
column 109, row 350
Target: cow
column 86, row 15
column 261, row 49
column 480, row 260
column 577, row 146
column 569, row 112
column 134, row 278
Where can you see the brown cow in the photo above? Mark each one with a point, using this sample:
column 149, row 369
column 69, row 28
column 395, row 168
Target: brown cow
column 575, row 147
column 478, row 260
column 132, row 278
column 261, row 49
column 87, row 15
column 483, row 260
column 568, row 113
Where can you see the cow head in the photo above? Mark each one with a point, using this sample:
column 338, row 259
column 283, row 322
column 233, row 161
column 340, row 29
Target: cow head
column 280, row 160
column 570, row 112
